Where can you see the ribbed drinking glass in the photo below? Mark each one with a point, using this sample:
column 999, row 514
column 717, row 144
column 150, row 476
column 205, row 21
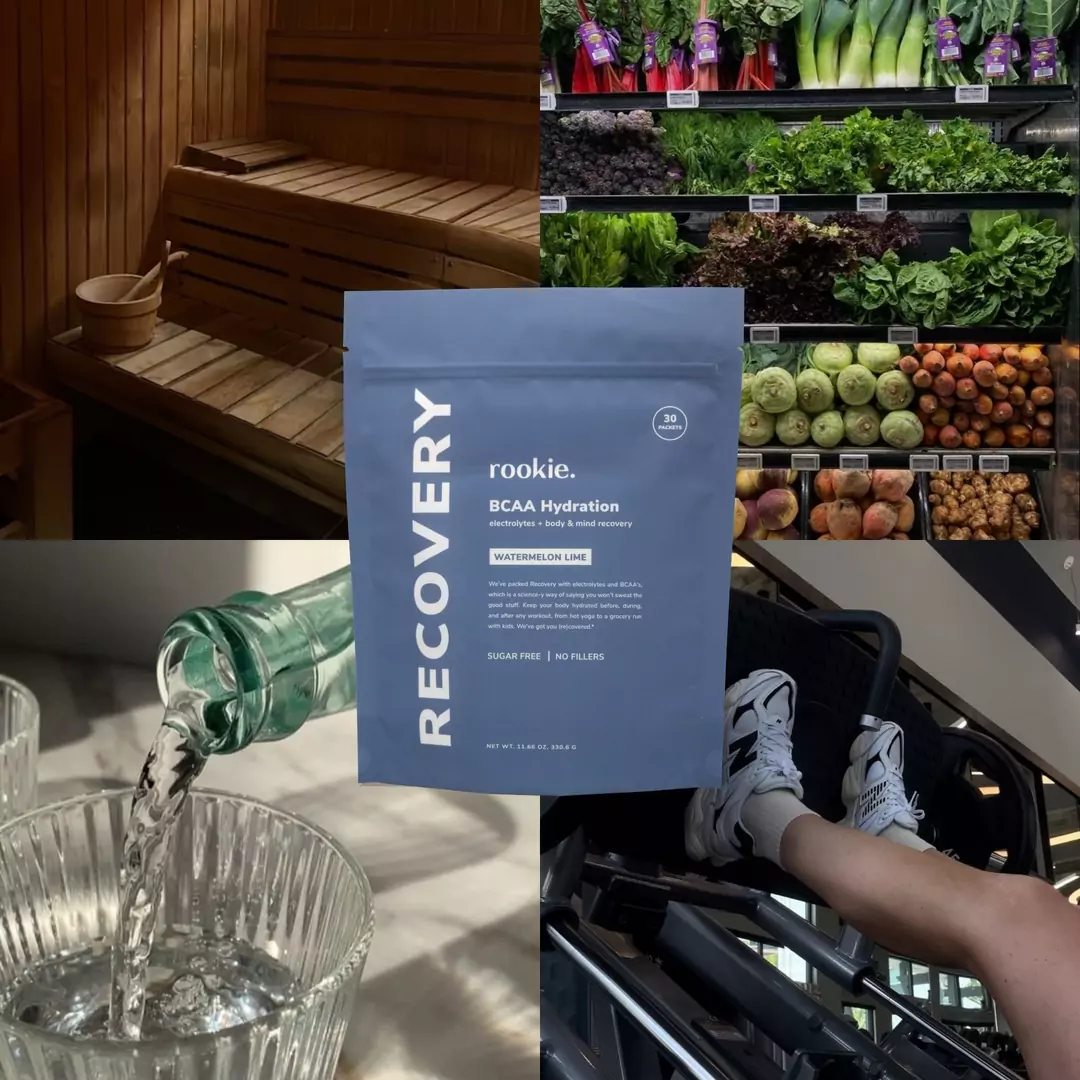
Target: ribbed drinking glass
column 19, row 720
column 269, row 884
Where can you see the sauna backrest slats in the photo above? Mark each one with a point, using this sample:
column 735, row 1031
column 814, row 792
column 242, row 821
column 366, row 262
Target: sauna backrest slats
column 280, row 268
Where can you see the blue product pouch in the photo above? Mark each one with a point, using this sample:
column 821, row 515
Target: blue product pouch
column 541, row 491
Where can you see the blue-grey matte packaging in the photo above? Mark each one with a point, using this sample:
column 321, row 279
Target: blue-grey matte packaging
column 541, row 492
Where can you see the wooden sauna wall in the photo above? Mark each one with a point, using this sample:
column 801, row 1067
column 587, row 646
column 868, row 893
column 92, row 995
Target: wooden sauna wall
column 410, row 84
column 97, row 99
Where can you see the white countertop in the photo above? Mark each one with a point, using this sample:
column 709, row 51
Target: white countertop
column 451, row 988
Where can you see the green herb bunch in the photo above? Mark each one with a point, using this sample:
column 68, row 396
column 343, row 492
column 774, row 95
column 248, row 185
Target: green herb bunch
column 712, row 151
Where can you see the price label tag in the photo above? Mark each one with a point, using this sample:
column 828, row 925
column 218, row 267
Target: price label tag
column 682, row 99
column 764, row 335
column 547, row 102
column 764, row 204
column 956, row 462
column 749, row 461
column 859, row 462
column 924, row 463
column 871, row 204
column 903, row 335
column 976, row 94
column 552, row 204
column 806, row 462
column 993, row 463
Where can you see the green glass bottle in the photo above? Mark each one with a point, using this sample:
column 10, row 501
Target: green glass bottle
column 257, row 667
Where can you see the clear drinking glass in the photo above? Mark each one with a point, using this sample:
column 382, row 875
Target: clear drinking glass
column 236, row 868
column 19, row 720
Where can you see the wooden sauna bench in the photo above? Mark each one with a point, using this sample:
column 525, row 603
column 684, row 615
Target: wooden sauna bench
column 246, row 359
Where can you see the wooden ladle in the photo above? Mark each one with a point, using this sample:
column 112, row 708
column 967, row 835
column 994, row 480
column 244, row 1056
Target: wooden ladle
column 153, row 280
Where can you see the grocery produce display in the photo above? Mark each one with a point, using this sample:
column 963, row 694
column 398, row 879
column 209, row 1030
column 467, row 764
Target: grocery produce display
column 937, row 396
column 863, row 505
column 767, row 504
column 598, row 46
column 850, row 268
column 971, row 506
column 696, row 152
column 871, row 174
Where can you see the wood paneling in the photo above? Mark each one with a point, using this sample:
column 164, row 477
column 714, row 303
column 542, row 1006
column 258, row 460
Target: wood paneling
column 436, row 88
column 97, row 99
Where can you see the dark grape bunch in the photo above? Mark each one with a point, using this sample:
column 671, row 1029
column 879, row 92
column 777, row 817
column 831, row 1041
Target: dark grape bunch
column 602, row 153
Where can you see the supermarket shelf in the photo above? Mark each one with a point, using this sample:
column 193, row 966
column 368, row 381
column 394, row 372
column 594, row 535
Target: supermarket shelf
column 811, row 458
column 900, row 335
column 805, row 204
column 937, row 101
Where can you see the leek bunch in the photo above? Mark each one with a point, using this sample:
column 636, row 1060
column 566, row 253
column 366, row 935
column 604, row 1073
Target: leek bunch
column 860, row 43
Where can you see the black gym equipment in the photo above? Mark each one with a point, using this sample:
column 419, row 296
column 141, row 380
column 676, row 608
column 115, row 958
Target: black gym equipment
column 642, row 983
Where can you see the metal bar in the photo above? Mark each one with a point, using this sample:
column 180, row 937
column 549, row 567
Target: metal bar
column 767, row 997
column 856, row 944
column 563, row 1056
column 784, row 925
column 688, row 1051
column 941, row 1034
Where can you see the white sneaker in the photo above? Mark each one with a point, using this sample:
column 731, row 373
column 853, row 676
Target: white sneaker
column 759, row 713
column 873, row 790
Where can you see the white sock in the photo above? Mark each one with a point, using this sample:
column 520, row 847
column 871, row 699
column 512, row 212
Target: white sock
column 906, row 837
column 766, row 816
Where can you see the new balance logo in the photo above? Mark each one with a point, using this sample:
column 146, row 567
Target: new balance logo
column 742, row 752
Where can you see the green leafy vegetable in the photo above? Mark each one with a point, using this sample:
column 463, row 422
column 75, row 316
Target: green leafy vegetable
column 999, row 17
column 654, row 249
column 713, row 150
column 868, row 153
column 966, row 15
column 587, row 250
column 1015, row 274
column 786, row 264
column 583, row 250
column 1050, row 19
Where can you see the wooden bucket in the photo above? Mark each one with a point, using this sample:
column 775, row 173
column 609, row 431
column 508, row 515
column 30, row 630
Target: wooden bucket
column 108, row 326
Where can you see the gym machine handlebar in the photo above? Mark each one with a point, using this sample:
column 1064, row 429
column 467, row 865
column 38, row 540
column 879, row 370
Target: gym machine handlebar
column 886, row 663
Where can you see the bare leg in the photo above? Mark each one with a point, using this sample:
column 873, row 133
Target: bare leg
column 1015, row 934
